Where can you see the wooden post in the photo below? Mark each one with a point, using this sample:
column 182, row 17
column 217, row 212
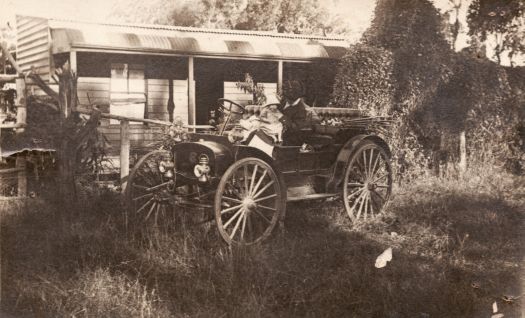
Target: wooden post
column 124, row 153
column 72, row 104
column 191, row 92
column 21, row 110
column 73, row 61
column 462, row 152
column 22, row 176
column 280, row 77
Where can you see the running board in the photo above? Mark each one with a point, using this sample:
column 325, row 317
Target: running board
column 315, row 196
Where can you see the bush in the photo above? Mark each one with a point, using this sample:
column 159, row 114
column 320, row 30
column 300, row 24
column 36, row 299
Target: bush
column 364, row 80
column 405, row 68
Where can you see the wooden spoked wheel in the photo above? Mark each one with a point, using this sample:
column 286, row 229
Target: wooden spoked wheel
column 249, row 202
column 367, row 182
column 149, row 191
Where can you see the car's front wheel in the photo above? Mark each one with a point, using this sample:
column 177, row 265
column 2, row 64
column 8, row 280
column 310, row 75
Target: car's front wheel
column 249, row 202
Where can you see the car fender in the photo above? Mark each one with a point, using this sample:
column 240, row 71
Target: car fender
column 338, row 168
column 219, row 154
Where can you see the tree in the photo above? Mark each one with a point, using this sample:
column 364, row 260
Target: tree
column 412, row 30
column 8, row 39
column 504, row 20
column 290, row 16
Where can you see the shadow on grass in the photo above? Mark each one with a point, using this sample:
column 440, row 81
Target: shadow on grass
column 84, row 263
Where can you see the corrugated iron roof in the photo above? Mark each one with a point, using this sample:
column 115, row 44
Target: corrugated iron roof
column 192, row 41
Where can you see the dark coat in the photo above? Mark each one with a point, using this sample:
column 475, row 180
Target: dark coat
column 297, row 120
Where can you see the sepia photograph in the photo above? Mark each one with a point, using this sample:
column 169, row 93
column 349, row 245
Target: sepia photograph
column 262, row 158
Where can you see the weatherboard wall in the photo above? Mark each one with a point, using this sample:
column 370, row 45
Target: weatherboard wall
column 33, row 46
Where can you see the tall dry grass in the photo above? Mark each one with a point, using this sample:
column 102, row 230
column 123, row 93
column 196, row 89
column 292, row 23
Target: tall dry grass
column 457, row 249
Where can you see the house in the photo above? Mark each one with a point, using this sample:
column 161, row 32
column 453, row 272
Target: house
column 135, row 69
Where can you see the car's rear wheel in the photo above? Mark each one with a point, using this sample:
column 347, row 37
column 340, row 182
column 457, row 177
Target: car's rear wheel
column 367, row 182
column 249, row 202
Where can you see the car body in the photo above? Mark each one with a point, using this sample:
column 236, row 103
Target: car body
column 248, row 182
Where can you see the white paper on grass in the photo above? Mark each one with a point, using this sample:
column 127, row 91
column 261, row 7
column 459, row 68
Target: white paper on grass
column 495, row 307
column 497, row 316
column 385, row 257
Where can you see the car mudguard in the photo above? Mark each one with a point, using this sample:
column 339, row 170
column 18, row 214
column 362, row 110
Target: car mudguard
column 339, row 166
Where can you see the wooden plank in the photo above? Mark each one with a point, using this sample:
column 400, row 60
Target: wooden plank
column 164, row 82
column 93, row 94
column 182, row 99
column 132, row 119
column 4, row 78
column 164, row 89
column 93, row 87
column 159, row 116
column 158, row 95
column 22, row 20
column 39, row 43
column 32, row 55
column 30, row 37
column 152, row 113
column 36, row 60
column 154, row 81
column 28, row 27
column 33, row 35
column 98, row 80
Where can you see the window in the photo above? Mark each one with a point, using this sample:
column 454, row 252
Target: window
column 128, row 88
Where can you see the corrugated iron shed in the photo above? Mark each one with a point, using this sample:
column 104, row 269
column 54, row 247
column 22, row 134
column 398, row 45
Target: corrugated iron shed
column 70, row 35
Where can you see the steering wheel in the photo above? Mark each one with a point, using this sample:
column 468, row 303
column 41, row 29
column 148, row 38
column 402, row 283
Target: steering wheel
column 227, row 105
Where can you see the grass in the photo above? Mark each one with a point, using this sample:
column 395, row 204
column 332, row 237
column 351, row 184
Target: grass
column 457, row 249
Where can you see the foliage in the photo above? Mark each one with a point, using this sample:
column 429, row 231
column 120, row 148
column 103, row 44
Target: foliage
column 364, row 80
column 462, row 238
column 288, row 16
column 502, row 18
column 252, row 87
column 412, row 31
column 7, row 36
column 436, row 93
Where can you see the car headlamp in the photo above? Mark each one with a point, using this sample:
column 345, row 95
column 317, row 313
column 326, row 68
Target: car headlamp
column 202, row 169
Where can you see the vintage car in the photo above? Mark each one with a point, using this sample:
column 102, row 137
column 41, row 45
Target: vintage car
column 247, row 183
